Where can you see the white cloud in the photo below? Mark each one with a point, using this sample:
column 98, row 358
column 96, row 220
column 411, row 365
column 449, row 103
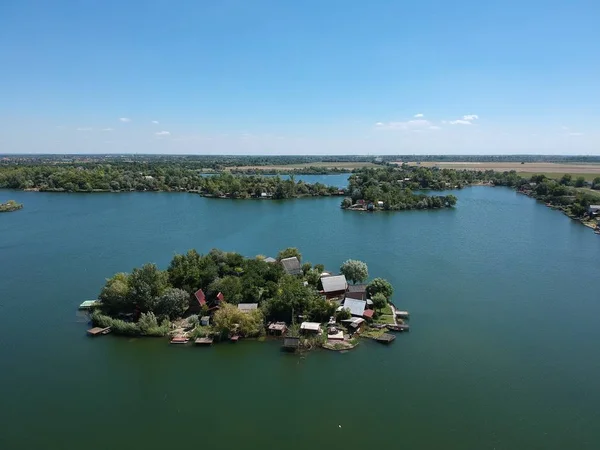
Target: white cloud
column 155, row 122
column 107, row 129
column 84, row 129
column 575, row 134
column 466, row 120
column 125, row 119
column 418, row 115
column 418, row 124
column 471, row 117
column 460, row 122
column 434, row 127
column 163, row 133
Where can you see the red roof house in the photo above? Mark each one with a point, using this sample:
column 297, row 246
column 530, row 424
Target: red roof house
column 220, row 297
column 199, row 294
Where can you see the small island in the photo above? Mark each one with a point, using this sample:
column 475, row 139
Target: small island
column 10, row 206
column 224, row 296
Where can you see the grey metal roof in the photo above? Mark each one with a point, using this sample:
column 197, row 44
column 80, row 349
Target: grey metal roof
column 247, row 306
column 291, row 265
column 333, row 284
column 312, row 326
column 357, row 288
column 356, row 307
column 270, row 260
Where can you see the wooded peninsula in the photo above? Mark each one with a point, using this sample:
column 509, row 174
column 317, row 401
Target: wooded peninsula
column 224, row 295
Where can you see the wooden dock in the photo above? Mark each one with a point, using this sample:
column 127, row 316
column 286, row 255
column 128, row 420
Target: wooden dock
column 180, row 340
column 234, row 338
column 402, row 314
column 97, row 331
column 385, row 338
column 204, row 341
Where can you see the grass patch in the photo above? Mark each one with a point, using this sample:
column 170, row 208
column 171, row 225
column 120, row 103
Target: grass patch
column 559, row 175
column 386, row 310
column 385, row 318
column 372, row 333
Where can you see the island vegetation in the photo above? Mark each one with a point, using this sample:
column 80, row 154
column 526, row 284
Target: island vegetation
column 220, row 285
column 10, row 206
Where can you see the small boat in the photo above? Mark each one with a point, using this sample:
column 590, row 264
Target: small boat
column 399, row 327
column 234, row 338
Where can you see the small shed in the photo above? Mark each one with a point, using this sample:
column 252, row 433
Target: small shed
column 310, row 327
column 205, row 321
column 368, row 313
column 354, row 324
column 277, row 328
column 291, row 265
column 247, row 307
column 89, row 304
column 269, row 259
column 291, row 344
column 334, row 285
column 220, row 297
column 356, row 307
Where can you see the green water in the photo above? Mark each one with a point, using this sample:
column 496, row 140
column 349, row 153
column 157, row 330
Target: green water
column 502, row 353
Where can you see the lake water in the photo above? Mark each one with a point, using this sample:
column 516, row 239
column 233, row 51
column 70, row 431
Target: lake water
column 502, row 353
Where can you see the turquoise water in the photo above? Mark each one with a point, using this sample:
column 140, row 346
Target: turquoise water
column 502, row 352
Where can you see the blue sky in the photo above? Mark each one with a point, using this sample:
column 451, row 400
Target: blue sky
column 303, row 77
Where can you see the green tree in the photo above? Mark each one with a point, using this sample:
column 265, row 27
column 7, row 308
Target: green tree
column 580, row 182
column 566, row 179
column 343, row 314
column 229, row 319
column 173, row 303
column 355, row 270
column 288, row 253
column 379, row 301
column 146, row 285
column 192, row 271
column 346, row 203
column 114, row 295
column 596, row 183
column 380, row 285
column 230, row 286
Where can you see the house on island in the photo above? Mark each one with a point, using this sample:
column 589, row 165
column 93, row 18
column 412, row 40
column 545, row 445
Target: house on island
column 292, row 266
column 357, row 291
column 310, row 328
column 334, row 286
column 593, row 210
column 247, row 307
column 220, row 297
column 199, row 294
column 358, row 308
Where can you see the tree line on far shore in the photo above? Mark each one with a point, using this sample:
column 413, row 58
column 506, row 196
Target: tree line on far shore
column 117, row 177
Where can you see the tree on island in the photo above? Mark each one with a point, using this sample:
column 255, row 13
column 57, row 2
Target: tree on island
column 343, row 314
column 289, row 253
column 173, row 303
column 229, row 319
column 114, row 294
column 146, row 285
column 379, row 301
column 355, row 270
column 380, row 286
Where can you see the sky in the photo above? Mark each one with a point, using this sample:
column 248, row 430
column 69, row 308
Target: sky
column 300, row 77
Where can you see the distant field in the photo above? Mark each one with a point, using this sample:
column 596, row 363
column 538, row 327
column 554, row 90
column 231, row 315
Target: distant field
column 551, row 170
column 321, row 164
